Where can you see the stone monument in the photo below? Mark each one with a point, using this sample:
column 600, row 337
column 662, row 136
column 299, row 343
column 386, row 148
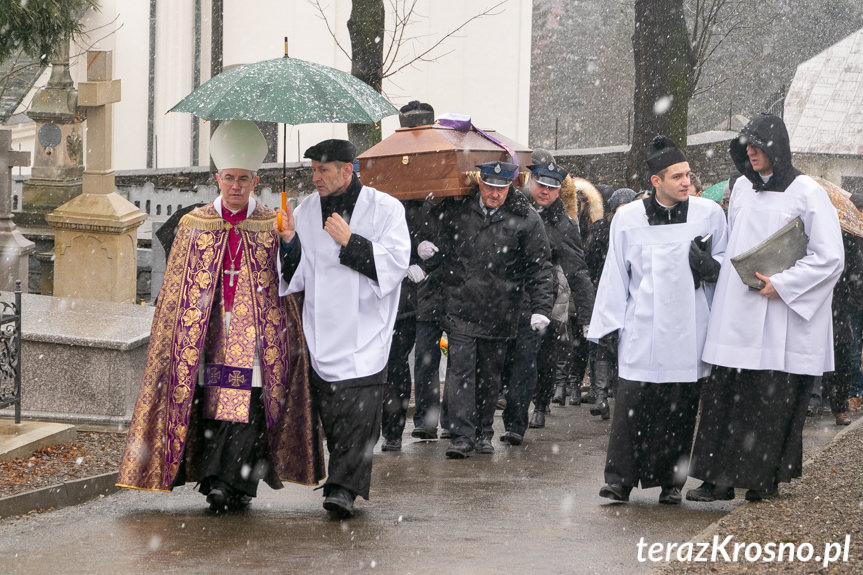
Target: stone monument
column 95, row 233
column 58, row 159
column 15, row 249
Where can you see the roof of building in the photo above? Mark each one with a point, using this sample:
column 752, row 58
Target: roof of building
column 824, row 106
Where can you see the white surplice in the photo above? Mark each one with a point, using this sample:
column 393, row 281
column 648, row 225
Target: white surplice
column 348, row 318
column 647, row 292
column 793, row 334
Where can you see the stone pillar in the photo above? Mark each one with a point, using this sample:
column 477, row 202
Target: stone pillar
column 58, row 160
column 95, row 234
column 15, row 249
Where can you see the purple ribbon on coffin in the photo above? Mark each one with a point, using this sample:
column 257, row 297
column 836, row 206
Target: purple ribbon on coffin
column 462, row 123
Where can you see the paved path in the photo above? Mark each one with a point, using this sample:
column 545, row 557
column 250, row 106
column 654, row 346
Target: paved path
column 530, row 509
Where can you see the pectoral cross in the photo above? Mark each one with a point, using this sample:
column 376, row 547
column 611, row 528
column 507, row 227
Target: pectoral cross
column 232, row 273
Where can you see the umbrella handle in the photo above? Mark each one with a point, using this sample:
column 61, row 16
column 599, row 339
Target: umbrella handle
column 284, row 208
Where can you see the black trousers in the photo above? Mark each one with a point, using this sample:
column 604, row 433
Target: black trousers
column 751, row 429
column 350, row 412
column 397, row 392
column 580, row 361
column 651, row 433
column 837, row 383
column 521, row 376
column 472, row 385
column 234, row 454
column 427, row 404
column 554, row 363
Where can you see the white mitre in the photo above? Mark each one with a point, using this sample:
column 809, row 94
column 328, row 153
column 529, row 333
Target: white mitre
column 238, row 144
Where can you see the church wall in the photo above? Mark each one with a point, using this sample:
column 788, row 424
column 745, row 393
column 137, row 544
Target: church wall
column 174, row 79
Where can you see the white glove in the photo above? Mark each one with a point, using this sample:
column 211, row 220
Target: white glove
column 426, row 249
column 538, row 322
column 416, row 274
column 585, row 329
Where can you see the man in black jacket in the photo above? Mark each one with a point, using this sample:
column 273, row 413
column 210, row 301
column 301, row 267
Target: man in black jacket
column 492, row 251
column 552, row 352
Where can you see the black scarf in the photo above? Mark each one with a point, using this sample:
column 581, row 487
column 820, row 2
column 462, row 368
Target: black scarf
column 342, row 204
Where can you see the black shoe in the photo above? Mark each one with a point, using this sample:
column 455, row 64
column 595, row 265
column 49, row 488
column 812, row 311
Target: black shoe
column 391, row 445
column 512, row 438
column 670, row 496
column 589, row 397
column 537, row 420
column 575, row 395
column 814, row 407
column 460, row 449
column 707, row 492
column 218, row 500
column 239, row 501
column 615, row 492
column 340, row 503
column 484, row 446
column 445, row 434
column 424, row 433
column 559, row 395
column 761, row 494
column 601, row 408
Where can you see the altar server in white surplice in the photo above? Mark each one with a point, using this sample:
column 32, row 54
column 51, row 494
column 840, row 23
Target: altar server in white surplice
column 651, row 311
column 347, row 247
column 768, row 344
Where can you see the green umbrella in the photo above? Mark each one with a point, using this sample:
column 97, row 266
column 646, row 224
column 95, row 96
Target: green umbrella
column 714, row 192
column 289, row 91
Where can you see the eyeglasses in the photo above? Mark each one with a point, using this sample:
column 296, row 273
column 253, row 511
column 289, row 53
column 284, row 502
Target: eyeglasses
column 230, row 180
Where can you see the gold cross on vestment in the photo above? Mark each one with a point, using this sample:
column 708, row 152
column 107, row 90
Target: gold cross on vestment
column 236, row 378
column 233, row 272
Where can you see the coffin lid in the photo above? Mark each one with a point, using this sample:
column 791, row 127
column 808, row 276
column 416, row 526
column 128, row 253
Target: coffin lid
column 415, row 162
column 427, row 139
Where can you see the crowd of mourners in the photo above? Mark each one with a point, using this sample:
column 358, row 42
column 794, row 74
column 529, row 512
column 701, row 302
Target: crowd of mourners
column 280, row 331
column 539, row 289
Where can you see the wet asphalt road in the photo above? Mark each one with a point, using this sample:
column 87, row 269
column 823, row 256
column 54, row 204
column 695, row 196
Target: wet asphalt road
column 528, row 509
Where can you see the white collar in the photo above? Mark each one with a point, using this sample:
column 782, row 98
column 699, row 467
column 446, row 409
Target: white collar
column 485, row 209
column 217, row 204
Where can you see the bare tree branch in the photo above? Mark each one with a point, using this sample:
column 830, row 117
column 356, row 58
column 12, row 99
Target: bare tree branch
column 107, row 34
column 401, row 24
column 403, row 14
column 713, row 22
column 422, row 57
column 317, row 4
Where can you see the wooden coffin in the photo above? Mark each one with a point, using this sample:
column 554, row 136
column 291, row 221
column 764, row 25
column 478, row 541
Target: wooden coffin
column 415, row 162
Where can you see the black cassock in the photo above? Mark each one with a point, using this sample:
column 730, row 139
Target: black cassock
column 350, row 412
column 751, row 429
column 651, row 434
column 350, row 409
column 237, row 454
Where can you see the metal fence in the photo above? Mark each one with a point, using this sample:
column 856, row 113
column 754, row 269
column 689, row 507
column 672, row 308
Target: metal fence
column 10, row 353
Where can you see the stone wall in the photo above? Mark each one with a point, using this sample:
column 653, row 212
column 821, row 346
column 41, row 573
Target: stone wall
column 707, row 153
column 844, row 171
column 159, row 193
